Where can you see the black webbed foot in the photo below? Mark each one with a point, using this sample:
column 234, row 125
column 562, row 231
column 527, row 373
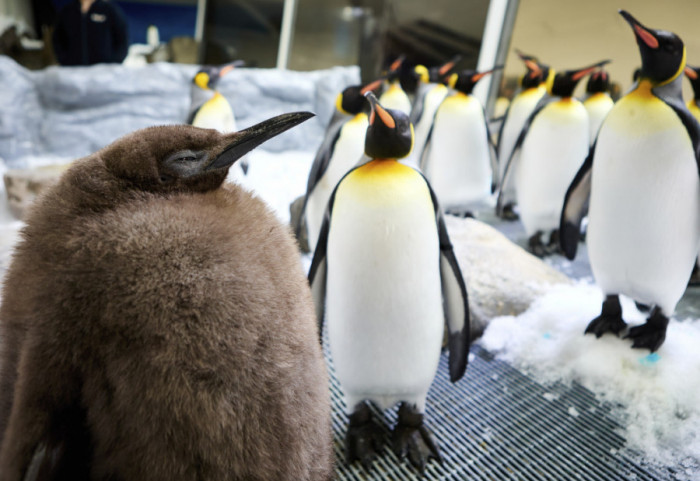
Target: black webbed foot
column 363, row 439
column 610, row 319
column 535, row 245
column 508, row 213
column 651, row 334
column 412, row 439
column 462, row 213
column 553, row 247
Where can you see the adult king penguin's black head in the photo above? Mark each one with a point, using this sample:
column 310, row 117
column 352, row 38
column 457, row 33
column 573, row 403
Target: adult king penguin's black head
column 465, row 80
column 662, row 52
column 535, row 74
column 208, row 77
column 598, row 82
column 390, row 133
column 693, row 74
column 352, row 99
column 565, row 82
column 183, row 158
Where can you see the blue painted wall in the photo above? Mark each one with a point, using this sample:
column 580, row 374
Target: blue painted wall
column 171, row 20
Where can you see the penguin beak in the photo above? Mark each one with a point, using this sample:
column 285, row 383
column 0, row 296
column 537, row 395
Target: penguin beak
column 372, row 86
column 397, row 63
column 240, row 143
column 690, row 73
column 480, row 75
column 640, row 31
column 227, row 68
column 379, row 111
column 446, row 67
column 579, row 74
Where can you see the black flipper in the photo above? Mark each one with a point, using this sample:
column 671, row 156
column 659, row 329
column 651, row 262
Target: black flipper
column 455, row 300
column 320, row 164
column 317, row 271
column 518, row 144
column 493, row 155
column 575, row 207
column 689, row 121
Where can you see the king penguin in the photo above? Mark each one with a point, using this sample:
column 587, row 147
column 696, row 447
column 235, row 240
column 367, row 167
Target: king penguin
column 533, row 87
column 394, row 96
column 597, row 101
column 459, row 158
column 385, row 279
column 642, row 179
column 210, row 110
column 157, row 324
column 550, row 148
column 432, row 90
column 342, row 149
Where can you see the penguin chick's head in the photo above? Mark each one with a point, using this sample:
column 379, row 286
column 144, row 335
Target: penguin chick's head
column 598, row 82
column 693, row 74
column 465, row 80
column 565, row 82
column 389, row 134
column 183, row 158
column 208, row 77
column 352, row 99
column 662, row 52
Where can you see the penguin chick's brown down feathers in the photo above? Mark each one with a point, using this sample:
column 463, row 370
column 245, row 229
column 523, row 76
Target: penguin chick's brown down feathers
column 157, row 325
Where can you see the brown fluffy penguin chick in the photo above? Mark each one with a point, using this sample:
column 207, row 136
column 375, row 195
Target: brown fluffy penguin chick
column 158, row 325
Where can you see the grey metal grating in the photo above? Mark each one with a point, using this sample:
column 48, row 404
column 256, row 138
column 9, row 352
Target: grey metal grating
column 499, row 424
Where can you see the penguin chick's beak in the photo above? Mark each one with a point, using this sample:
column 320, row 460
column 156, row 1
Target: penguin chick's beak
column 246, row 140
column 378, row 110
column 640, row 31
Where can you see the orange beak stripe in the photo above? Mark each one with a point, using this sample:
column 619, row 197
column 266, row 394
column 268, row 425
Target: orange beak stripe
column 646, row 37
column 226, row 70
column 386, row 118
column 692, row 74
column 371, row 86
column 396, row 64
column 446, row 68
column 582, row 73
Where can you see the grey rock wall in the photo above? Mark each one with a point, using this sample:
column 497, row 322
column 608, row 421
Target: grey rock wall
column 73, row 111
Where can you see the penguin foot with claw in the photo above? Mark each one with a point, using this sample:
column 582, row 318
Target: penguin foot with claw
column 651, row 334
column 508, row 213
column 536, row 246
column 610, row 319
column 411, row 438
column 364, row 437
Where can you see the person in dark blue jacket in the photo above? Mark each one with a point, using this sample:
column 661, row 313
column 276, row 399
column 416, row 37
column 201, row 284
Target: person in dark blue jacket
column 89, row 32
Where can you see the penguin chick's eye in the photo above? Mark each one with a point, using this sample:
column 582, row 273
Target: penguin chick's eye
column 186, row 156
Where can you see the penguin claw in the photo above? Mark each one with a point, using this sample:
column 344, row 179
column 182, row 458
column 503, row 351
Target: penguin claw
column 647, row 336
column 508, row 213
column 602, row 324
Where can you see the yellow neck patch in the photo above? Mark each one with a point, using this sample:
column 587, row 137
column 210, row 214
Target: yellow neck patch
column 202, row 80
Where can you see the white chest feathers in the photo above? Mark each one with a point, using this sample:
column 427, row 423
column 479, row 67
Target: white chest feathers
column 458, row 162
column 383, row 296
column 554, row 148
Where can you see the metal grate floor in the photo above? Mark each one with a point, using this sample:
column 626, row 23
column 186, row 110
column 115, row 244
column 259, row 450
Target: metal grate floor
column 498, row 424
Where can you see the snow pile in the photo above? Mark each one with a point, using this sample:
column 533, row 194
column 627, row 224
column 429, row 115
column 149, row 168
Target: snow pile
column 657, row 395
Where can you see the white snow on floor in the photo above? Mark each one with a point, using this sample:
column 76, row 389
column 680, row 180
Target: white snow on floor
column 658, row 395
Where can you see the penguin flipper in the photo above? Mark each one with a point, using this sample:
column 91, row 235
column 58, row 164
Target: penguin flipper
column 516, row 148
column 455, row 300
column 493, row 156
column 319, row 166
column 318, row 269
column 425, row 155
column 454, row 291
column 575, row 207
column 689, row 121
